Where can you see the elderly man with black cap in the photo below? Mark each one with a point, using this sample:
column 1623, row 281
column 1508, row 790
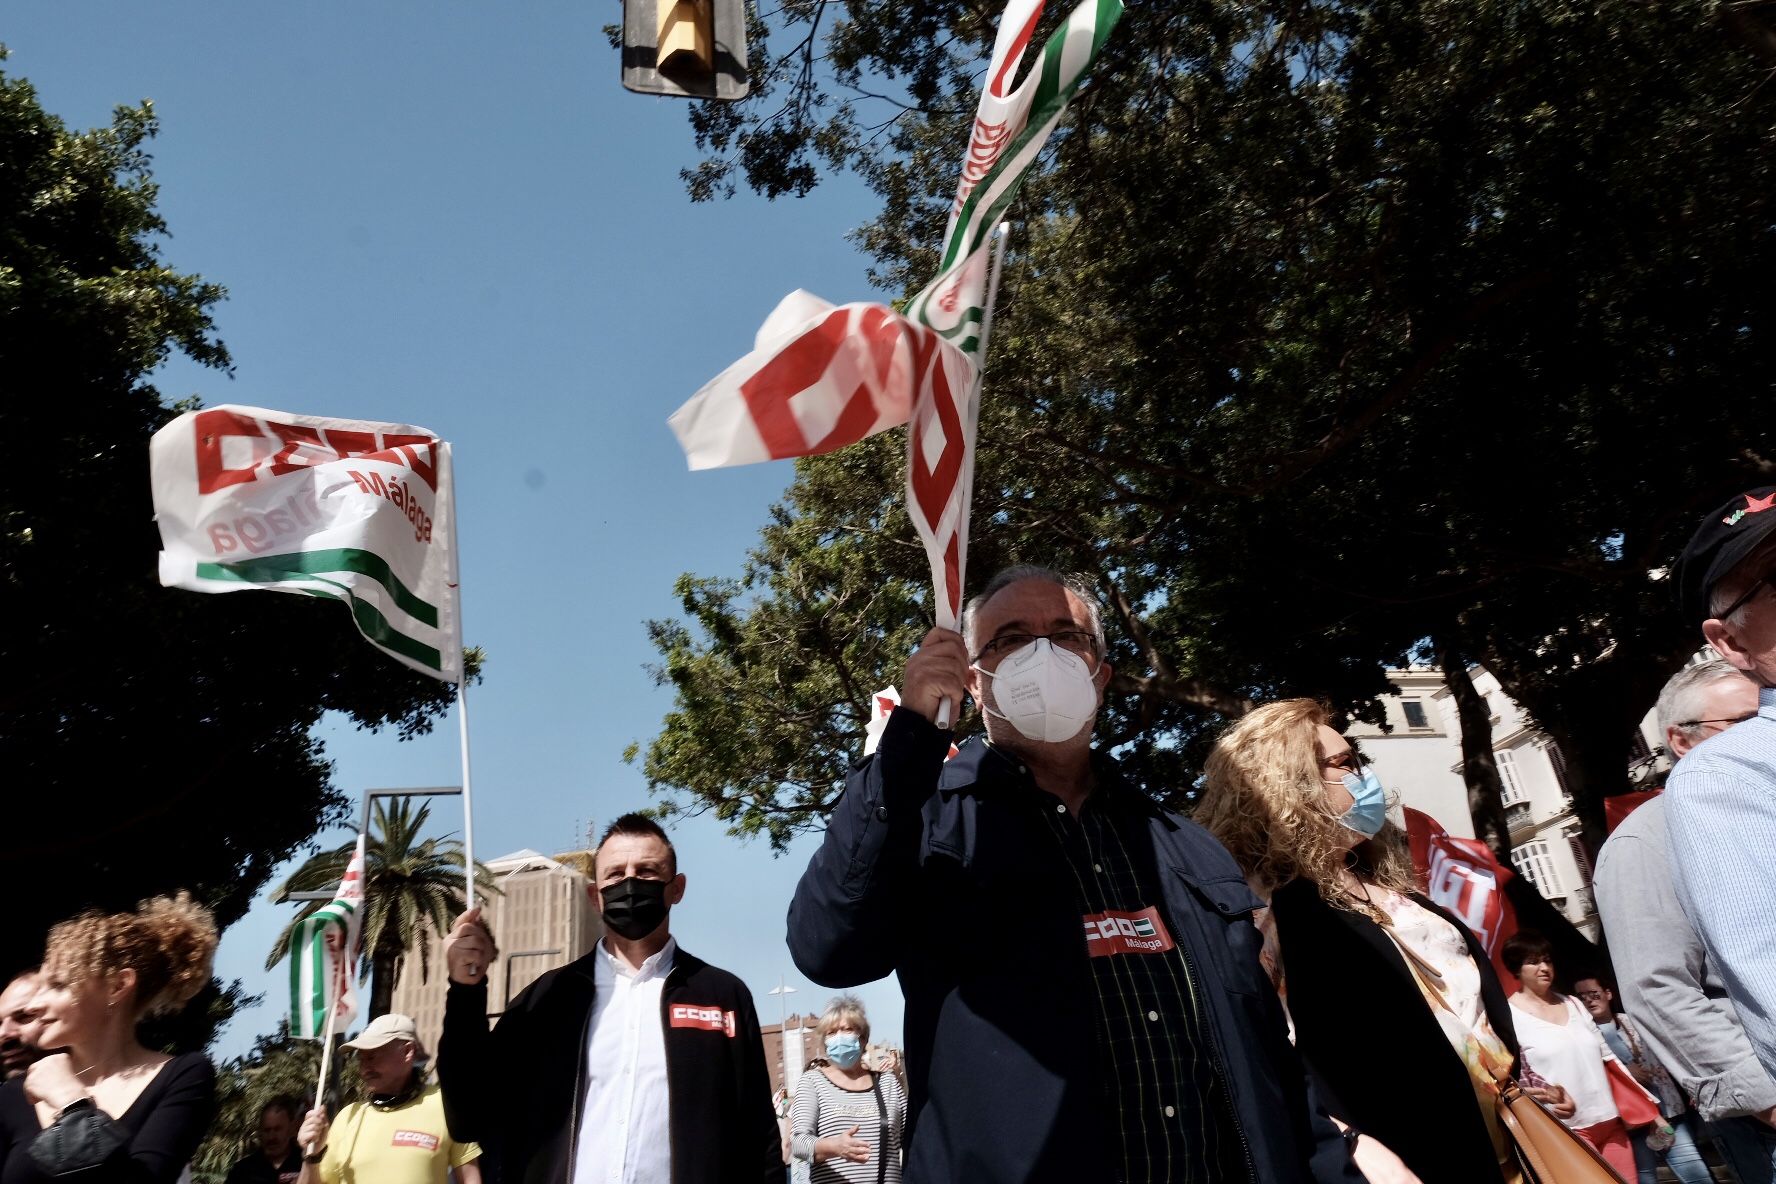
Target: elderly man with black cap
column 398, row 1135
column 1721, row 799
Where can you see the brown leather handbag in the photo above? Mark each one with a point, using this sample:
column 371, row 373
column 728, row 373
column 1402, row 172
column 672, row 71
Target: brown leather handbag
column 1547, row 1150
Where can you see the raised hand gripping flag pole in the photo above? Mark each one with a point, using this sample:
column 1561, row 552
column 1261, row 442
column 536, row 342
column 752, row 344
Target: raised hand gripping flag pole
column 820, row 377
column 323, row 967
column 346, row 509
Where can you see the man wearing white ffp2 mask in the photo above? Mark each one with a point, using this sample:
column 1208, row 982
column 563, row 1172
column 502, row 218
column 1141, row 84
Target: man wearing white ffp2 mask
column 1061, row 929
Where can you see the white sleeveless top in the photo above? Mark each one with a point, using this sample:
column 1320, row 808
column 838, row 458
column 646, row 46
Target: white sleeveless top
column 1570, row 1055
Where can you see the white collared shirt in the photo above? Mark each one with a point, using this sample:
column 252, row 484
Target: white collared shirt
column 624, row 1136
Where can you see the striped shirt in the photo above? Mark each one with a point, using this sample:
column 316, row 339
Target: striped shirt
column 1165, row 1100
column 1721, row 807
column 823, row 1110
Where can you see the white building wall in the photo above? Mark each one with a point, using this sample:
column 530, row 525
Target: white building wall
column 1420, row 766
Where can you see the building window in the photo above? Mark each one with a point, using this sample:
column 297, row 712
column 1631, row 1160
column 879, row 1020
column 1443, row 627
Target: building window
column 1577, row 846
column 1557, row 759
column 1511, row 779
column 1415, row 714
column 1536, row 863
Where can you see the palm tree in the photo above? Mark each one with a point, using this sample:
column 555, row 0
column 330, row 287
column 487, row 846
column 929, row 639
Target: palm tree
column 413, row 890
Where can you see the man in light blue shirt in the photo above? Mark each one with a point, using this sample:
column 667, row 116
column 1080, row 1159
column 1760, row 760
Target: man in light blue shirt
column 1721, row 799
column 1668, row 983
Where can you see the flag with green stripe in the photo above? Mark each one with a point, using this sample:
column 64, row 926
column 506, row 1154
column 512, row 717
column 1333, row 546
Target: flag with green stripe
column 324, row 957
column 351, row 510
column 1011, row 125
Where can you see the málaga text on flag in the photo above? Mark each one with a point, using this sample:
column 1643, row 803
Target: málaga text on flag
column 324, row 957
column 821, row 377
column 347, row 509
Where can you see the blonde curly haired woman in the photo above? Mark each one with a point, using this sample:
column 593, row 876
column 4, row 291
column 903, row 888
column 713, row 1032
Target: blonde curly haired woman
column 1397, row 1012
column 101, row 1107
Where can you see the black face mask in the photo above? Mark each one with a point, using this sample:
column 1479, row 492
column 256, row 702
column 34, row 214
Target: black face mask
column 635, row 907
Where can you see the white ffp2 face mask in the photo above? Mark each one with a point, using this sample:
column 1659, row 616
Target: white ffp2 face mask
column 1047, row 694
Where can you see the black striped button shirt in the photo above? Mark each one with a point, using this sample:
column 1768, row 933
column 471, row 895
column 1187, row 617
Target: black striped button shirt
column 1162, row 1088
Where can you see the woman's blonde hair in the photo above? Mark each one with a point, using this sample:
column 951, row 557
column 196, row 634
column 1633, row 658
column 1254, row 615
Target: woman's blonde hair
column 845, row 1011
column 1265, row 799
column 168, row 941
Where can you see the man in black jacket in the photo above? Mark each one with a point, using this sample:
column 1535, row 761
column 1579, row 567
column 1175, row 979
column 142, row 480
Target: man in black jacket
column 1083, row 993
column 637, row 1064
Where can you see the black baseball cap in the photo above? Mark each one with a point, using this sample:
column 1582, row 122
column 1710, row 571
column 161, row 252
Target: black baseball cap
column 1720, row 544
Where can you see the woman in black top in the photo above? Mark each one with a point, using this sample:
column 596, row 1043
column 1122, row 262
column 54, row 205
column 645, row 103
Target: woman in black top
column 1397, row 1011
column 101, row 1108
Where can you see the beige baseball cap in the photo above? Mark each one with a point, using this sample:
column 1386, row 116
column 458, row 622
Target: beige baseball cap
column 385, row 1029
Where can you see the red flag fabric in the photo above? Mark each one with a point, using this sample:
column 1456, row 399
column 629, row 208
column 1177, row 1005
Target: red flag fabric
column 1617, row 807
column 1466, row 878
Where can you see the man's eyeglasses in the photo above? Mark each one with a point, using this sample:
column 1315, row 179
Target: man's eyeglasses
column 1074, row 641
column 1768, row 580
column 1725, row 723
column 1589, row 994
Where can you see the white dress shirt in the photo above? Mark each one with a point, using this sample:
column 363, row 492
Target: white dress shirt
column 623, row 1136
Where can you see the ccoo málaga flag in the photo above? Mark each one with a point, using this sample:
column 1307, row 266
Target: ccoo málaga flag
column 348, row 509
column 822, row 376
column 1011, row 125
column 324, row 956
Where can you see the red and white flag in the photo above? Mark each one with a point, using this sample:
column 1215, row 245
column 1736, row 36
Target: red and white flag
column 820, row 377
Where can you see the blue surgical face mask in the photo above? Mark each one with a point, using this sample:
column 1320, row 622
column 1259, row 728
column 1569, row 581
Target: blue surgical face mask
column 1369, row 808
column 844, row 1051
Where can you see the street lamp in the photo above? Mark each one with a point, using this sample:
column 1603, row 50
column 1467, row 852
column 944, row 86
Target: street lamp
column 511, row 958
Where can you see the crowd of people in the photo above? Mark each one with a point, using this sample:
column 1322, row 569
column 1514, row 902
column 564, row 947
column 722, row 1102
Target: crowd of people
column 1097, row 988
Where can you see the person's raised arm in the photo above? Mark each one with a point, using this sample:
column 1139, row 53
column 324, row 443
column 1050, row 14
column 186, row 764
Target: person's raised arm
column 469, row 1073
column 845, row 917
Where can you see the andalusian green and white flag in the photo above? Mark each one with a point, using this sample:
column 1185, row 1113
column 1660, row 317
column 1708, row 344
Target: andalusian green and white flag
column 324, row 958
column 351, row 510
column 1011, row 125
column 821, row 377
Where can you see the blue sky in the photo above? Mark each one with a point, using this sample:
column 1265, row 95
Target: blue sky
column 451, row 214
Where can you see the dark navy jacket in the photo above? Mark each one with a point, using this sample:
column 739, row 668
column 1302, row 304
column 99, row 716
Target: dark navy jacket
column 927, row 872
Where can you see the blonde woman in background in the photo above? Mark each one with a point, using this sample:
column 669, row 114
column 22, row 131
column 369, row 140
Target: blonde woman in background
column 102, row 1108
column 847, row 1121
column 1395, row 1006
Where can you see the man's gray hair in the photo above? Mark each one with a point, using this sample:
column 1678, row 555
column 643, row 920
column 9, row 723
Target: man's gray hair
column 1078, row 585
column 1681, row 700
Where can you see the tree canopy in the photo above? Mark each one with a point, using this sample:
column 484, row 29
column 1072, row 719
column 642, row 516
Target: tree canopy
column 151, row 739
column 1331, row 334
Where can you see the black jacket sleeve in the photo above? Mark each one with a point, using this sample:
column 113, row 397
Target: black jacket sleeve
column 842, row 920
column 471, row 1065
column 760, row 1155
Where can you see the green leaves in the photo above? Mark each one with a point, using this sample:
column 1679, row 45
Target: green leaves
column 153, row 740
column 1327, row 330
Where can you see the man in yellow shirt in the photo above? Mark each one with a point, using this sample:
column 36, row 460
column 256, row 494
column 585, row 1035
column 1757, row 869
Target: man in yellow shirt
column 398, row 1136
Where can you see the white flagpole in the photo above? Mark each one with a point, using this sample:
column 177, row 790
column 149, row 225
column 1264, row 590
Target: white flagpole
column 468, row 801
column 996, row 260
column 327, row 1051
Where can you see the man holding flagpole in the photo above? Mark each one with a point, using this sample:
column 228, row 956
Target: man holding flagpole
column 397, row 1134
column 1084, row 997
